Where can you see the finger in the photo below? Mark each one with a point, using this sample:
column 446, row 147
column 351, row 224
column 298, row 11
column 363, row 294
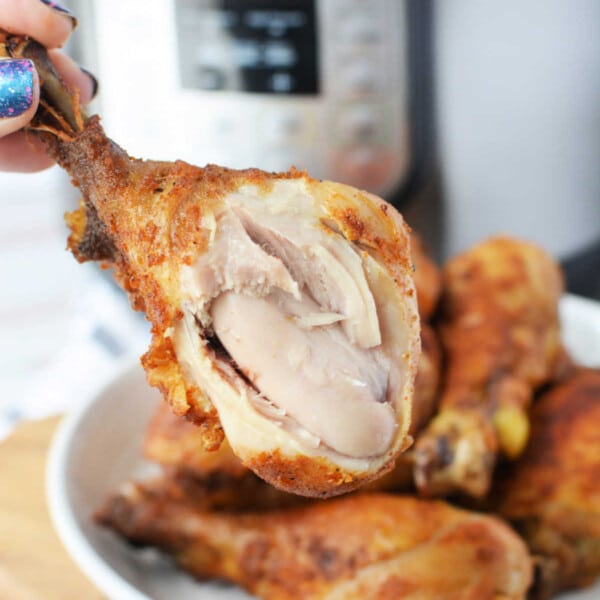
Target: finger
column 73, row 76
column 48, row 23
column 23, row 153
column 19, row 151
column 19, row 94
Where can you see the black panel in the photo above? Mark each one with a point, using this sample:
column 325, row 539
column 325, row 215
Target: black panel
column 248, row 45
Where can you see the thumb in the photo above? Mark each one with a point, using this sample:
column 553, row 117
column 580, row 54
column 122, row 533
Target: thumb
column 19, row 94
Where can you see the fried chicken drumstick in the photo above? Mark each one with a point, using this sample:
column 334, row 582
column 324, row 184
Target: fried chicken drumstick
column 552, row 493
column 365, row 546
column 283, row 309
column 500, row 332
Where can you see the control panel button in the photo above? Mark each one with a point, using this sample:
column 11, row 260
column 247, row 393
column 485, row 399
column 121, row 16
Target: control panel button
column 360, row 124
column 361, row 32
column 359, row 77
column 281, row 82
column 285, row 126
column 210, row 78
column 359, row 26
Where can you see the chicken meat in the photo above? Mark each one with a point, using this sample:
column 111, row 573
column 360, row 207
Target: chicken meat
column 283, row 309
column 363, row 546
column 499, row 327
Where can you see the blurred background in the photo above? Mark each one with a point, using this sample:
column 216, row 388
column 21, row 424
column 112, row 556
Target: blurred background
column 474, row 117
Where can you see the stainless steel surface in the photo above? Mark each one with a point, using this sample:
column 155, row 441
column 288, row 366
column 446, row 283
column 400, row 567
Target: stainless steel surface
column 517, row 89
column 234, row 83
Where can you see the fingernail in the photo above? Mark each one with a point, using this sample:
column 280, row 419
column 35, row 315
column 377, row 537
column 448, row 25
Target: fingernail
column 61, row 9
column 94, row 81
column 16, row 87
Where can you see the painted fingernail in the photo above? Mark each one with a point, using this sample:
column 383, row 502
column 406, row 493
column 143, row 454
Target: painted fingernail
column 61, row 9
column 16, row 87
column 94, row 81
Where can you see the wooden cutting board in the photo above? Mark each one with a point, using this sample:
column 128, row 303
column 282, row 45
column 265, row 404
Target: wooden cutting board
column 33, row 562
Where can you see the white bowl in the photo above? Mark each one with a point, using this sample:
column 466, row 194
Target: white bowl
column 98, row 446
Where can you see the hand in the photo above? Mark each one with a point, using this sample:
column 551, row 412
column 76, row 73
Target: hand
column 51, row 25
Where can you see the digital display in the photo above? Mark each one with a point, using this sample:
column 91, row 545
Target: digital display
column 248, row 45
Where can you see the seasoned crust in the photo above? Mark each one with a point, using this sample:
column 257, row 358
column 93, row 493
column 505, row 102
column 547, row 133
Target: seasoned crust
column 186, row 399
column 303, row 475
column 88, row 239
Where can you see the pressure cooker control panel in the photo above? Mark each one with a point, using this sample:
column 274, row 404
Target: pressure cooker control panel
column 248, row 46
column 274, row 83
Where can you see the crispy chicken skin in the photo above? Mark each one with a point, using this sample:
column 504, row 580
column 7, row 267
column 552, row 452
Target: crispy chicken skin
column 283, row 309
column 365, row 546
column 499, row 329
column 552, row 493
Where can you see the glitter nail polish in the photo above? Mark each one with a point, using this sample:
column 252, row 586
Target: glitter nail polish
column 16, row 87
column 57, row 6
